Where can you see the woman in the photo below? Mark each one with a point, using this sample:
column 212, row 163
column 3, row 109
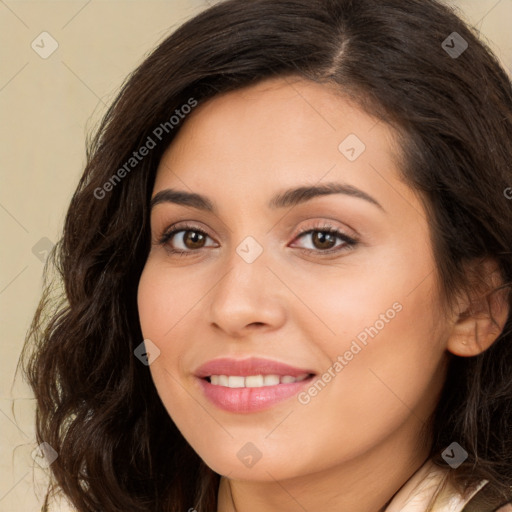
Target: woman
column 287, row 270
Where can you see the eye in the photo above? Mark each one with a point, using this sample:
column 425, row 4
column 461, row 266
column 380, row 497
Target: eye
column 184, row 239
column 326, row 240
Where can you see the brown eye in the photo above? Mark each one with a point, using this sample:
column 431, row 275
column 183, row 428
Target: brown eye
column 185, row 239
column 326, row 240
column 193, row 239
column 323, row 240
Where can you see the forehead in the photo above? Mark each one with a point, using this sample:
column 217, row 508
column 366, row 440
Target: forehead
column 277, row 110
column 278, row 133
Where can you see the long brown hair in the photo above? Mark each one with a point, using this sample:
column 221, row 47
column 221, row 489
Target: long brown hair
column 97, row 406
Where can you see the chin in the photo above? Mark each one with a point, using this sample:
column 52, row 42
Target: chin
column 240, row 466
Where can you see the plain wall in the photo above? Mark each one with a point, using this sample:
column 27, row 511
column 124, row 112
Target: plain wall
column 47, row 105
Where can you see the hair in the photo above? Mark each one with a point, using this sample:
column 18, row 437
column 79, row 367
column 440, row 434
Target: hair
column 118, row 449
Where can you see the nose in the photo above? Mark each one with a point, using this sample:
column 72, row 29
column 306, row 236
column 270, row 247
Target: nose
column 248, row 297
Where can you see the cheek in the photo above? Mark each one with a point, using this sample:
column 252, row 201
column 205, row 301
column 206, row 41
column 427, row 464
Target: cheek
column 387, row 302
column 164, row 299
column 163, row 304
column 169, row 303
column 162, row 307
column 386, row 363
column 388, row 342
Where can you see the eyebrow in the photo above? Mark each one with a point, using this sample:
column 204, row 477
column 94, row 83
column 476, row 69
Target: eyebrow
column 285, row 199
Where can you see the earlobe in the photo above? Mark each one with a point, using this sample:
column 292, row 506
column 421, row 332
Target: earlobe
column 483, row 316
column 474, row 334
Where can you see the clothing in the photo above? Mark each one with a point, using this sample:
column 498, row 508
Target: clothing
column 420, row 490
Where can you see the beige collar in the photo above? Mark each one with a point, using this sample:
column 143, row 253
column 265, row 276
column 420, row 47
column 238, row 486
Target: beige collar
column 418, row 492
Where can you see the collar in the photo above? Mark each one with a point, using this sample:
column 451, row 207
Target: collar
column 429, row 485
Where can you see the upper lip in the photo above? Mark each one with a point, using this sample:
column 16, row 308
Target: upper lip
column 248, row 366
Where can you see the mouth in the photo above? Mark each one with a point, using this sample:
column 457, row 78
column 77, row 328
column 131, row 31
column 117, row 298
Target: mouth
column 250, row 385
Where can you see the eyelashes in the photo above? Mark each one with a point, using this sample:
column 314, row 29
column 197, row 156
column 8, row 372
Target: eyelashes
column 328, row 233
column 323, row 234
column 169, row 234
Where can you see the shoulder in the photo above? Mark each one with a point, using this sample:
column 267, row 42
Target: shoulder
column 429, row 488
column 420, row 491
column 487, row 500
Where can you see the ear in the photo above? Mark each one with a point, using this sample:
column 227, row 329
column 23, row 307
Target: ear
column 481, row 317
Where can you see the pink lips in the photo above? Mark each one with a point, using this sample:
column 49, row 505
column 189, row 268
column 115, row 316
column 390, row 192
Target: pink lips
column 250, row 366
column 247, row 400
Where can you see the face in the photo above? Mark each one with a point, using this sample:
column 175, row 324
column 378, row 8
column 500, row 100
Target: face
column 340, row 286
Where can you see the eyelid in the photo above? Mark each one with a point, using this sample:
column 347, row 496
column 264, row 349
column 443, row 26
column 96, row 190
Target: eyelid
column 318, row 226
column 170, row 231
column 323, row 225
column 349, row 241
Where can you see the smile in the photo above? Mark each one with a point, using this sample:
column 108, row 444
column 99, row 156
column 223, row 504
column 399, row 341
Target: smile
column 251, row 384
column 254, row 381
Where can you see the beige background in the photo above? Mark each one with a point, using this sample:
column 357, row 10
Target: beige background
column 47, row 106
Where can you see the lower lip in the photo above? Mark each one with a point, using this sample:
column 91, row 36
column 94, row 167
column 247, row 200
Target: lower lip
column 247, row 400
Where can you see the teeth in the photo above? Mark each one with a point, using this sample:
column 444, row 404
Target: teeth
column 235, row 381
column 253, row 381
column 271, row 380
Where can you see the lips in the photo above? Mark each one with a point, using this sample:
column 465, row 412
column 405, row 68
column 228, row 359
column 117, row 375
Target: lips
column 247, row 367
column 219, row 379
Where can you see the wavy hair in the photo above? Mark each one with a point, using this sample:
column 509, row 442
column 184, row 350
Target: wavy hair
column 96, row 403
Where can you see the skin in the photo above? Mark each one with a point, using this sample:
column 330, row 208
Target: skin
column 354, row 444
